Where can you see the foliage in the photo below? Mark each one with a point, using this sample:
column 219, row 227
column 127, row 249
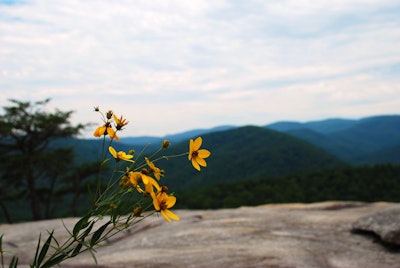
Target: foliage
column 367, row 183
column 129, row 195
column 31, row 168
column 353, row 141
column 247, row 153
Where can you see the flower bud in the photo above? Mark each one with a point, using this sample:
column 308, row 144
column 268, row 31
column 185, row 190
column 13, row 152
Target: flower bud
column 164, row 189
column 165, row 144
column 109, row 114
column 137, row 212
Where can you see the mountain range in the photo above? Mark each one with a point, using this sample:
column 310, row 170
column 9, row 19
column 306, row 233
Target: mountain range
column 278, row 149
column 368, row 140
column 279, row 162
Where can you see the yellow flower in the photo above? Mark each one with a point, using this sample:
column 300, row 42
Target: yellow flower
column 153, row 169
column 163, row 202
column 152, row 183
column 196, row 154
column 104, row 130
column 136, row 177
column 120, row 155
column 119, row 123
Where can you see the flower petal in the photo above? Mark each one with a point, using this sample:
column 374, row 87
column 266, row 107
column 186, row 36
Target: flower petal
column 171, row 201
column 171, row 215
column 156, row 202
column 190, row 149
column 201, row 161
column 203, row 153
column 197, row 143
column 195, row 165
column 145, row 178
column 122, row 155
column 165, row 215
column 99, row 131
column 154, row 183
column 116, row 119
column 112, row 151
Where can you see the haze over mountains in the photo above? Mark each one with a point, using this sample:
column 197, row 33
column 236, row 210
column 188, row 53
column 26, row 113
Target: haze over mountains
column 366, row 141
column 278, row 149
column 252, row 152
column 369, row 140
column 280, row 162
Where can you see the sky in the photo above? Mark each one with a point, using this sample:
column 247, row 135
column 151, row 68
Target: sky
column 173, row 66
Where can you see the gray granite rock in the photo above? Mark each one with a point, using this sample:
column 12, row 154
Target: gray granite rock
column 278, row 236
column 384, row 223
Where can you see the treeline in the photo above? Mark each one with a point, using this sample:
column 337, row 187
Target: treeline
column 38, row 179
column 369, row 183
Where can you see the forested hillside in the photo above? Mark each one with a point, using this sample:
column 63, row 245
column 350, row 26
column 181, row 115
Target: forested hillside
column 368, row 183
column 247, row 153
column 363, row 141
column 249, row 165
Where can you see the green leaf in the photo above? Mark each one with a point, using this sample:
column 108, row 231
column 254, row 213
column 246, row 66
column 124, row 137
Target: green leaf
column 37, row 252
column 14, row 262
column 1, row 244
column 54, row 261
column 81, row 224
column 97, row 234
column 87, row 231
column 45, row 248
column 77, row 249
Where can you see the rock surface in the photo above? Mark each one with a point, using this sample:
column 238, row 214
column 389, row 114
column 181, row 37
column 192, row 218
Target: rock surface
column 384, row 223
column 278, row 236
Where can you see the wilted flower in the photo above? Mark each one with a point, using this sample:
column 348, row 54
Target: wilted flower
column 119, row 122
column 155, row 170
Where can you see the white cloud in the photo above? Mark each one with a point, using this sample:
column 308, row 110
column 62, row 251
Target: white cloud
column 201, row 63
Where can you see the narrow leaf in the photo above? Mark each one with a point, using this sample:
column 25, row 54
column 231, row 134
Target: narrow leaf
column 77, row 249
column 45, row 248
column 96, row 236
column 87, row 231
column 37, row 252
column 81, row 224
column 54, row 261
column 1, row 244
column 14, row 262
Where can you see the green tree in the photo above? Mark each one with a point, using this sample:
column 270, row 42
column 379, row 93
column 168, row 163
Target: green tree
column 31, row 167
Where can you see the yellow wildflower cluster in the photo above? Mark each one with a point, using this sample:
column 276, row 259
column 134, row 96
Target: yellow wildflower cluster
column 115, row 205
column 144, row 176
column 106, row 128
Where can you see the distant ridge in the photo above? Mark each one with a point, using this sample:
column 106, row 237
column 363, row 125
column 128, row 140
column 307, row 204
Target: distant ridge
column 360, row 141
column 368, row 140
column 247, row 152
column 154, row 142
column 323, row 126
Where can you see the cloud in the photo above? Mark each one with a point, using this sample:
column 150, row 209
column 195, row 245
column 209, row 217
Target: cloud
column 201, row 64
